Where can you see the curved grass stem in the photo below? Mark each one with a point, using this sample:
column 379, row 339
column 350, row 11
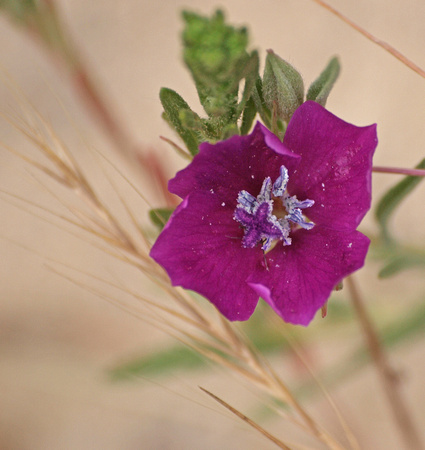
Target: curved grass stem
column 387, row 47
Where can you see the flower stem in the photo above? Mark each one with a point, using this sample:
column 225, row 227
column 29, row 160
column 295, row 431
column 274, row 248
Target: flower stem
column 388, row 376
column 399, row 170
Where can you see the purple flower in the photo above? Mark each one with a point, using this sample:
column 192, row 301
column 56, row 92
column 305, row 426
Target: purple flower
column 261, row 218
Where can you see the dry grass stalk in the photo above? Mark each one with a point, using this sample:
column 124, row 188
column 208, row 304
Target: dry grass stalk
column 206, row 332
column 300, row 355
column 246, row 419
column 387, row 47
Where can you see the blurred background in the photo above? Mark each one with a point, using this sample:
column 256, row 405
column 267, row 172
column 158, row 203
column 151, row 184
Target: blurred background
column 58, row 341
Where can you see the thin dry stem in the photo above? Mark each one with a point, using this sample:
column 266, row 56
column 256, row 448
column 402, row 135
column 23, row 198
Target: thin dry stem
column 70, row 175
column 387, row 47
column 182, row 152
column 389, row 378
column 268, row 380
column 399, row 170
column 246, row 419
column 350, row 436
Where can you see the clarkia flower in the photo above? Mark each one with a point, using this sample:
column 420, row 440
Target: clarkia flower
column 262, row 218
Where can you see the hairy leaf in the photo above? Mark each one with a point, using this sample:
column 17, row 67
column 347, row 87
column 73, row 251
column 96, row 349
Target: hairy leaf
column 248, row 116
column 321, row 87
column 174, row 105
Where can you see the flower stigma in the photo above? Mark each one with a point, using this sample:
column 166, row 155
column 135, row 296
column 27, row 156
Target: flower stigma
column 262, row 222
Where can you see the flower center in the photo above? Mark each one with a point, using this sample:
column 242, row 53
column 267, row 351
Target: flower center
column 263, row 224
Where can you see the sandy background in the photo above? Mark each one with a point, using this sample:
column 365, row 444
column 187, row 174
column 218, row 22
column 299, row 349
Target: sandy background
column 56, row 339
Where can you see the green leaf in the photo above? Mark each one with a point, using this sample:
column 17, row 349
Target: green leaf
column 321, row 87
column 177, row 357
column 262, row 336
column 160, row 216
column 402, row 262
column 283, row 87
column 191, row 121
column 19, row 10
column 260, row 104
column 267, row 340
column 248, row 116
column 174, row 106
column 393, row 198
column 250, row 73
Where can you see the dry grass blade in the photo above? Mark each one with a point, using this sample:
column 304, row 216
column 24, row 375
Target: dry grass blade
column 70, row 175
column 183, row 153
column 350, row 436
column 246, row 419
column 387, row 47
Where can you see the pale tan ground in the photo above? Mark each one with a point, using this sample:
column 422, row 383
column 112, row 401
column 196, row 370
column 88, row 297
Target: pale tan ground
column 56, row 339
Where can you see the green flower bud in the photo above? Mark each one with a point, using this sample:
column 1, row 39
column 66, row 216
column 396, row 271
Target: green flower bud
column 283, row 87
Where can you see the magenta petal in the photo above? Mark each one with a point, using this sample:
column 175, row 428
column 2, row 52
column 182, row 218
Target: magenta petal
column 301, row 277
column 201, row 250
column 212, row 243
column 335, row 168
column 239, row 163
